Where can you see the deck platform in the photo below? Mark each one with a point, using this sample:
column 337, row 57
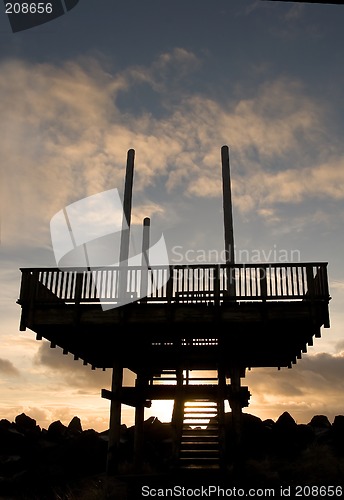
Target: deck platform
column 189, row 316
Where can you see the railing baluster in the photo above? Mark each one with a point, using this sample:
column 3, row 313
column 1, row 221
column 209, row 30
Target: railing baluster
column 263, row 284
column 297, row 280
column 188, row 284
column 285, row 280
column 310, row 281
column 292, row 281
column 217, row 285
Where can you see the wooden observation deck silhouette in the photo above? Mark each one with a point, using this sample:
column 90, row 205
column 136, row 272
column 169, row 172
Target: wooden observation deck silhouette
column 218, row 318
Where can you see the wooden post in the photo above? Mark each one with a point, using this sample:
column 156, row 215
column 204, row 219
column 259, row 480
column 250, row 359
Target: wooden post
column 217, row 271
column 169, row 286
column 261, row 271
column 227, row 206
column 178, row 413
column 115, row 420
column 236, row 408
column 141, row 385
column 145, row 259
column 221, row 413
column 126, row 221
column 228, row 218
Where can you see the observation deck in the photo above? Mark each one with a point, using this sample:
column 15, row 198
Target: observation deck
column 258, row 315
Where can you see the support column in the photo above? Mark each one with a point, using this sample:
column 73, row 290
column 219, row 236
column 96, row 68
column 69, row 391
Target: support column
column 141, row 385
column 236, row 407
column 178, row 413
column 221, row 413
column 115, row 420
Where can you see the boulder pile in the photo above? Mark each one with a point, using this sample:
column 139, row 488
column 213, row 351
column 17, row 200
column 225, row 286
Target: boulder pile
column 38, row 459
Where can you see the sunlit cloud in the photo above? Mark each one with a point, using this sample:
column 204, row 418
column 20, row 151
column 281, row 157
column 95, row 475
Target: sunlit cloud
column 313, row 386
column 72, row 372
column 7, row 368
column 64, row 137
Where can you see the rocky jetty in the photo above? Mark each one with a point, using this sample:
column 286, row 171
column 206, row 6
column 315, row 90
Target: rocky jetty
column 36, row 459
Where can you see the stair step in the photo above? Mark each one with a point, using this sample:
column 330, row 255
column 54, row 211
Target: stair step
column 201, row 428
column 209, row 445
column 201, row 410
column 211, row 438
column 200, row 460
column 199, row 452
column 200, row 441
column 199, row 404
column 196, row 416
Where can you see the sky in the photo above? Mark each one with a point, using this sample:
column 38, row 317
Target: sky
column 175, row 81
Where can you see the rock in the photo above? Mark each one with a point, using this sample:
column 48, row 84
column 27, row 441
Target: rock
column 286, row 422
column 5, row 424
column 338, row 434
column 269, row 423
column 158, row 431
column 74, row 426
column 25, row 423
column 57, row 430
column 12, row 441
column 320, row 421
column 85, row 454
column 321, row 427
column 305, row 436
column 285, row 437
column 338, row 425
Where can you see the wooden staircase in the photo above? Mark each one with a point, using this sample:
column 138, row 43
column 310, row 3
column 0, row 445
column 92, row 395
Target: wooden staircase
column 199, row 405
column 200, row 440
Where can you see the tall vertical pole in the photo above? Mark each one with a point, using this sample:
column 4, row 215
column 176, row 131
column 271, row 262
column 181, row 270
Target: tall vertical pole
column 145, row 259
column 227, row 206
column 117, row 370
column 126, row 220
column 230, row 261
column 228, row 219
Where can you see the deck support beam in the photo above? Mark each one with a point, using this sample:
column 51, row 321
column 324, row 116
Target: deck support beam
column 236, row 407
column 178, row 412
column 141, row 384
column 115, row 420
column 221, row 412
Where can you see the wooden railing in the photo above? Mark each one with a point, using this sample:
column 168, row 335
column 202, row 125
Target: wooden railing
column 208, row 283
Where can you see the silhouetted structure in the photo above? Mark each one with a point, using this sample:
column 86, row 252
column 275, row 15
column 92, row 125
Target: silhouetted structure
column 222, row 318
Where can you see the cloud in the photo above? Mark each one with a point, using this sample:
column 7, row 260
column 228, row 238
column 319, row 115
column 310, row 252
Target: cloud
column 73, row 373
column 295, row 12
column 313, row 386
column 7, row 368
column 65, row 136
